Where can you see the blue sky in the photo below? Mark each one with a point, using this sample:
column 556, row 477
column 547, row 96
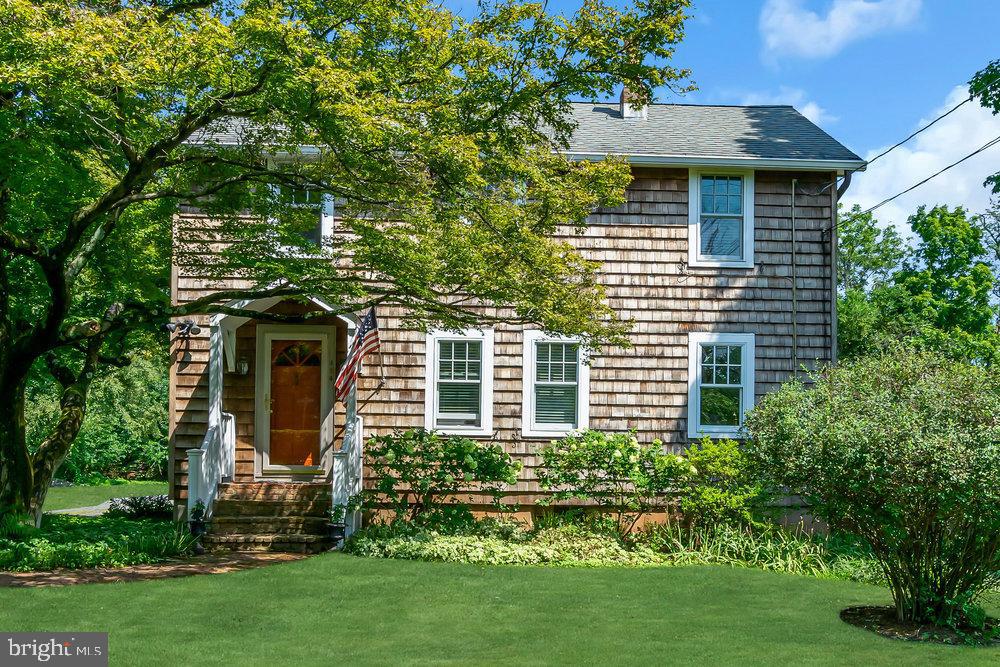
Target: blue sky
column 868, row 71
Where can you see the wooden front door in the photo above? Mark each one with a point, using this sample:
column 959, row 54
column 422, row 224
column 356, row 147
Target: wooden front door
column 296, row 414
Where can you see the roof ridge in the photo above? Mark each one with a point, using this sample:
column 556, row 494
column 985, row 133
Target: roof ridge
column 691, row 104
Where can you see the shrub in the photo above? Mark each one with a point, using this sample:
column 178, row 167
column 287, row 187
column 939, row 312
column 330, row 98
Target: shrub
column 902, row 449
column 142, row 507
column 78, row 542
column 419, row 473
column 612, row 470
column 719, row 488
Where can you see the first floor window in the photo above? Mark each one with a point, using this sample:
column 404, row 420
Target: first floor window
column 721, row 385
column 555, row 385
column 460, row 382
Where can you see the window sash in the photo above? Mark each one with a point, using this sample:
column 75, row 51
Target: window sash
column 556, row 387
column 725, row 390
column 458, row 400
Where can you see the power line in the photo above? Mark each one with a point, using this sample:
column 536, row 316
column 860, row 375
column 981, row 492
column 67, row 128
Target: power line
column 934, row 175
column 928, row 125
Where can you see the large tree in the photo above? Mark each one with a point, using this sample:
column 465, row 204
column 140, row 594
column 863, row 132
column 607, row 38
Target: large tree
column 437, row 135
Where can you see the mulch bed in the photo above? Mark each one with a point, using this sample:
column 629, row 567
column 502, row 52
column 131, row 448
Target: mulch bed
column 207, row 564
column 883, row 621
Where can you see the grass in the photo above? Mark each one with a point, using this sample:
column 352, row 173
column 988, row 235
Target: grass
column 65, row 497
column 338, row 608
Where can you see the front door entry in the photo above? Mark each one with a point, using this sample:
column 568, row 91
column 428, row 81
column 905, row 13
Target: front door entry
column 296, row 410
column 294, row 424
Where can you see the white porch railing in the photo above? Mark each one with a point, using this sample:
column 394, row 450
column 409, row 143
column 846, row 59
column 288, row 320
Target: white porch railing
column 348, row 473
column 211, row 463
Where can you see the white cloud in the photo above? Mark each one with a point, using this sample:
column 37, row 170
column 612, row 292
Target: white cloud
column 947, row 141
column 788, row 28
column 795, row 97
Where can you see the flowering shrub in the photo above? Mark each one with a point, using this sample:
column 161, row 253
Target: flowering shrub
column 419, row 472
column 612, row 470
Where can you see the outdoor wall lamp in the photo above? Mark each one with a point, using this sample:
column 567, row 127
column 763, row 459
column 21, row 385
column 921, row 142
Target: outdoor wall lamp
column 185, row 328
column 242, row 366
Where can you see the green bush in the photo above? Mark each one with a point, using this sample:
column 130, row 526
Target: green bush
column 718, row 487
column 902, row 449
column 78, row 542
column 124, row 434
column 420, row 472
column 613, row 471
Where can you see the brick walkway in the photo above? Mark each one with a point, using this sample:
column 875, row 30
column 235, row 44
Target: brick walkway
column 208, row 564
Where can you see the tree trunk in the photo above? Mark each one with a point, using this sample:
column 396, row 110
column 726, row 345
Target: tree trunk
column 15, row 462
column 54, row 449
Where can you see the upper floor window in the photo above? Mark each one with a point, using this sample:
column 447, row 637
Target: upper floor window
column 721, row 219
column 460, row 382
column 556, row 386
column 319, row 223
column 720, row 383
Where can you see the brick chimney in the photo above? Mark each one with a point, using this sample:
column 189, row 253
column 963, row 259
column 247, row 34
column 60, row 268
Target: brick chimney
column 629, row 103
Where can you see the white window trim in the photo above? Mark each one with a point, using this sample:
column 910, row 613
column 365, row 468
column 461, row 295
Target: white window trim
column 695, row 341
column 326, row 223
column 528, row 427
column 485, row 395
column 694, row 218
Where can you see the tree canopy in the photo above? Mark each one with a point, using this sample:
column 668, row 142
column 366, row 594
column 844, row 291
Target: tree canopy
column 437, row 135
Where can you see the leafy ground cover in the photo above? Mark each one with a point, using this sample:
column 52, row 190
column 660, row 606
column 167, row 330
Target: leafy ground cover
column 77, row 541
column 65, row 497
column 372, row 611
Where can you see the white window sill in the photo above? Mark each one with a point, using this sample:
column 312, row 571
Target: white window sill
column 527, row 432
column 469, row 432
column 721, row 264
column 717, row 433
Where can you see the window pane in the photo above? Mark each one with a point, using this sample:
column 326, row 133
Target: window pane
column 736, row 185
column 720, row 406
column 473, row 350
column 735, row 205
column 721, row 237
column 447, row 349
column 444, row 369
column 734, row 375
column 556, row 405
column 569, row 372
column 458, row 404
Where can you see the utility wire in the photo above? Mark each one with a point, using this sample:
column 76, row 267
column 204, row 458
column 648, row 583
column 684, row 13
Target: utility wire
column 934, row 175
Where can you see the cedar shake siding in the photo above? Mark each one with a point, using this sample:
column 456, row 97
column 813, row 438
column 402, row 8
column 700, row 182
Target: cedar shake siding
column 643, row 247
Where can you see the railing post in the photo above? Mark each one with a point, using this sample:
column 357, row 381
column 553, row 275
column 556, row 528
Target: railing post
column 195, row 459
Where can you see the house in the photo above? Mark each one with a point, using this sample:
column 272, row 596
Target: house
column 723, row 256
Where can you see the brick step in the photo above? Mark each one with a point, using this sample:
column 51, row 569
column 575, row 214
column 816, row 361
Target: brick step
column 232, row 507
column 303, row 544
column 268, row 525
column 297, row 492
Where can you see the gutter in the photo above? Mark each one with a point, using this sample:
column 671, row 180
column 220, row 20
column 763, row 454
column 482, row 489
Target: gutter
column 652, row 160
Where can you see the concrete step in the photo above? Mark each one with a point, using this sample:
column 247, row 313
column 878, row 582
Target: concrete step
column 308, row 544
column 267, row 525
column 319, row 507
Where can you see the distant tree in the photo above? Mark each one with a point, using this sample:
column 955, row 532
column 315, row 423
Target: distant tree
column 867, row 254
column 440, row 132
column 940, row 298
column 985, row 86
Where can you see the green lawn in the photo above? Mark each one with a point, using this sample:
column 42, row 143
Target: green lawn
column 64, row 497
column 336, row 608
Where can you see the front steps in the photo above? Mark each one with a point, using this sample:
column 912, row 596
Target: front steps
column 270, row 516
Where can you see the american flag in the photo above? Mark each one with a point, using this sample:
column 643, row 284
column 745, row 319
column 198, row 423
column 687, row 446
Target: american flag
column 365, row 342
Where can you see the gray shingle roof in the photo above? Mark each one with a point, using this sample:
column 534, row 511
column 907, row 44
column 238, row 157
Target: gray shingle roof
column 693, row 131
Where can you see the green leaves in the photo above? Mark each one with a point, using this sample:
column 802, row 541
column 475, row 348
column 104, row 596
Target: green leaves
column 903, row 449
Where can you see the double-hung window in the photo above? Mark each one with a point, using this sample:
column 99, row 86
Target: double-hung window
column 721, row 218
column 556, row 386
column 720, row 383
column 460, row 382
column 313, row 212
